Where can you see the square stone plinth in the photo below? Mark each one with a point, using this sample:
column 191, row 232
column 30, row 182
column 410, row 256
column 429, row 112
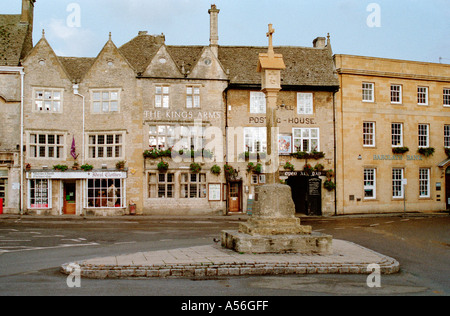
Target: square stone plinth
column 314, row 243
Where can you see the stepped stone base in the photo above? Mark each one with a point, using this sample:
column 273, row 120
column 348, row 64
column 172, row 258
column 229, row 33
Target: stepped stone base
column 314, row 243
column 274, row 228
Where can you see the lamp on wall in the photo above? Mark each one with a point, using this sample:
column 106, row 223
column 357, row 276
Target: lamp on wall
column 359, row 157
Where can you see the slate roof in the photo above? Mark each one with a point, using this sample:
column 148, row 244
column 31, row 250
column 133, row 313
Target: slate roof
column 15, row 40
column 304, row 66
column 76, row 67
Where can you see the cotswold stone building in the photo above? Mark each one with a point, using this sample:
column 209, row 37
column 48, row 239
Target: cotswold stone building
column 158, row 129
column 393, row 135
column 305, row 121
column 15, row 43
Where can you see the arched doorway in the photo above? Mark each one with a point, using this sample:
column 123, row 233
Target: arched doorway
column 447, row 187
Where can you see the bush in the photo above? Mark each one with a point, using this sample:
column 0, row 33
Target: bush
column 87, row 167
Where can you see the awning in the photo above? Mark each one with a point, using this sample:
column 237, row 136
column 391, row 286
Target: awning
column 445, row 163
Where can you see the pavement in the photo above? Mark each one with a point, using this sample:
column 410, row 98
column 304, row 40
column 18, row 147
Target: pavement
column 213, row 261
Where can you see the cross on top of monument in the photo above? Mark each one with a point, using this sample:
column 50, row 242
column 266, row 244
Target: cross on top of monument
column 270, row 36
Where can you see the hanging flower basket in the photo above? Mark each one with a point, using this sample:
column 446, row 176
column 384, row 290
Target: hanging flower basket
column 163, row 166
column 289, row 166
column 195, row 167
column 216, row 170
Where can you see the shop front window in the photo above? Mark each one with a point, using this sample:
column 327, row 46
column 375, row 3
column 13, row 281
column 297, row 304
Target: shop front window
column 39, row 194
column 105, row 193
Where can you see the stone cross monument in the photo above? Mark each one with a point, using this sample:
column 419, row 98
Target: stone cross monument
column 270, row 66
column 273, row 227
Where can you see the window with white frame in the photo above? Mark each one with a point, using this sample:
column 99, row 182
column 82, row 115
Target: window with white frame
column 105, row 101
column 164, row 137
column 193, row 186
column 447, row 136
column 48, row 100
column 422, row 95
column 255, row 139
column 397, row 134
column 397, row 183
column 43, row 145
column 39, row 194
column 161, row 185
column 161, row 136
column 396, row 94
column 306, row 139
column 305, row 103
column 192, row 97
column 257, row 102
column 162, row 97
column 258, row 179
column 424, row 137
column 424, row 182
column 368, row 94
column 108, row 145
column 368, row 134
column 446, row 96
column 370, row 183
column 105, row 193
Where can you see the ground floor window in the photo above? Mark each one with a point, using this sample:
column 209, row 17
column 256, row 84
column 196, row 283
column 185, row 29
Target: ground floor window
column 369, row 183
column 397, row 183
column 39, row 193
column 193, row 185
column 161, row 185
column 3, row 190
column 105, row 193
column 424, row 182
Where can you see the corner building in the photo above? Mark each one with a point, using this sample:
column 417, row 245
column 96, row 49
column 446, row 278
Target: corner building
column 393, row 135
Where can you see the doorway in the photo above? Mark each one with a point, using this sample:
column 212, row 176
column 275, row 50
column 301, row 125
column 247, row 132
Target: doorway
column 69, row 198
column 306, row 194
column 234, row 197
column 447, row 188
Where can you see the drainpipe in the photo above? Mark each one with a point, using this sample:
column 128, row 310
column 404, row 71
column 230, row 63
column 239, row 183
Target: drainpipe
column 22, row 77
column 335, row 154
column 75, row 92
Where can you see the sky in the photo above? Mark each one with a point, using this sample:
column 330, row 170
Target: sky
column 401, row 29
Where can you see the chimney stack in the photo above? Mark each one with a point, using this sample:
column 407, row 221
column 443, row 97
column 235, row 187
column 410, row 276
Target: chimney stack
column 214, row 29
column 319, row 42
column 27, row 12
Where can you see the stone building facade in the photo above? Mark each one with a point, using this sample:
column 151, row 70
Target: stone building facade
column 146, row 127
column 393, row 119
column 304, row 120
column 15, row 43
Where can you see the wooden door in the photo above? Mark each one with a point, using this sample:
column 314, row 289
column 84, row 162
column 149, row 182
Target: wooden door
column 234, row 197
column 70, row 199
